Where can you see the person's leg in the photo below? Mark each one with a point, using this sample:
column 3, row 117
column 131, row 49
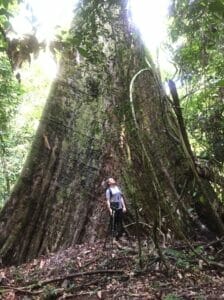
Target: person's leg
column 119, row 223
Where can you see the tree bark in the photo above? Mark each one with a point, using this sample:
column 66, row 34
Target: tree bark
column 106, row 115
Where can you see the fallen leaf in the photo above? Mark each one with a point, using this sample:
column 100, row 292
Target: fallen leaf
column 99, row 294
column 10, row 296
column 42, row 263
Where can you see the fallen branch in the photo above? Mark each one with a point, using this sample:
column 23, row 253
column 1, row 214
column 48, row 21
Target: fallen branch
column 216, row 264
column 45, row 282
column 200, row 243
column 22, row 290
column 140, row 223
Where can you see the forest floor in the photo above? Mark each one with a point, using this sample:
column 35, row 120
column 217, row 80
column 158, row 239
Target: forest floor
column 118, row 271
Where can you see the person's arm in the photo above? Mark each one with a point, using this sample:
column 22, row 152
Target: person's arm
column 108, row 206
column 108, row 201
column 123, row 204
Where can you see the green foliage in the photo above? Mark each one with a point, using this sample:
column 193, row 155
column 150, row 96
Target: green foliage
column 6, row 9
column 10, row 92
column 49, row 292
column 181, row 258
column 87, row 37
column 14, row 139
column 20, row 104
column 21, row 126
column 197, row 37
column 184, row 259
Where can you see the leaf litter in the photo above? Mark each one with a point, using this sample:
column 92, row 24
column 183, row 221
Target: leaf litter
column 112, row 271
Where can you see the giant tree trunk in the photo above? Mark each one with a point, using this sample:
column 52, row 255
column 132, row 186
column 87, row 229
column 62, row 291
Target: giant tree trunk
column 106, row 115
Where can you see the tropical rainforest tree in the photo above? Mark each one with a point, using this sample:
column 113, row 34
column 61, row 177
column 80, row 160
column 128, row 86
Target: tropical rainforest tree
column 107, row 115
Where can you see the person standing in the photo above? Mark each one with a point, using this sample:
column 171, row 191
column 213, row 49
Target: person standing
column 116, row 207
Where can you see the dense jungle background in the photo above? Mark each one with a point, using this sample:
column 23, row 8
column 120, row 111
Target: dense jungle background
column 112, row 111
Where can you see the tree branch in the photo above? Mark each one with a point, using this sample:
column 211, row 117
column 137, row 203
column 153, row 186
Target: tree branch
column 70, row 276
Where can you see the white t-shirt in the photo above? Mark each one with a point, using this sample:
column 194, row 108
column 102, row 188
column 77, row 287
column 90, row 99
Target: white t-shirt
column 113, row 194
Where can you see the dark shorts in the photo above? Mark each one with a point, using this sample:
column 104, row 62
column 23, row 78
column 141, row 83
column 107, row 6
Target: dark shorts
column 114, row 205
